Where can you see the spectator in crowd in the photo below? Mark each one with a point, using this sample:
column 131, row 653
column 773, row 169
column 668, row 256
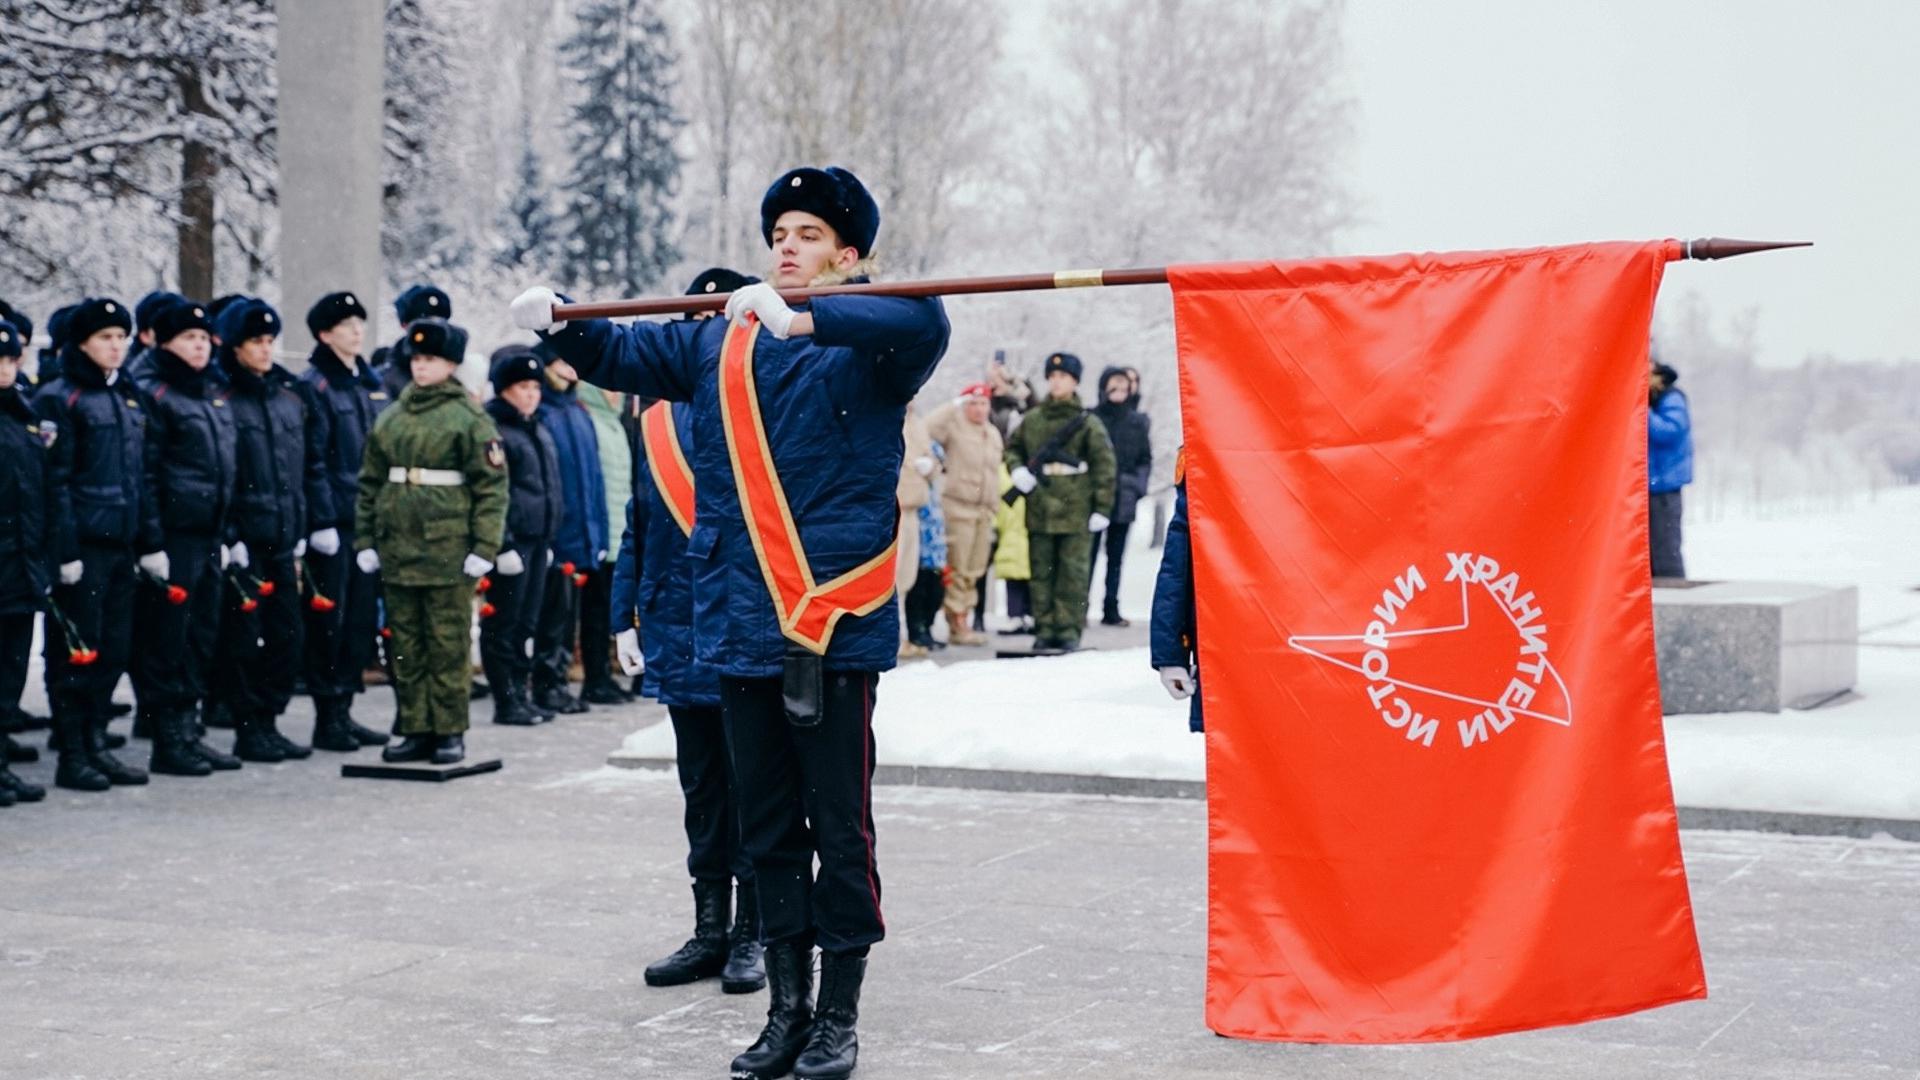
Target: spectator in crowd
column 616, row 469
column 970, row 496
column 1010, row 555
column 580, row 547
column 1669, row 468
column 1128, row 428
column 534, row 512
column 1010, row 395
column 1062, row 461
column 24, row 504
column 923, row 600
column 913, row 490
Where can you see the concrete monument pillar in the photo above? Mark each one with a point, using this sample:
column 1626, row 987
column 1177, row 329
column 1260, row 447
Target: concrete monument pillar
column 331, row 60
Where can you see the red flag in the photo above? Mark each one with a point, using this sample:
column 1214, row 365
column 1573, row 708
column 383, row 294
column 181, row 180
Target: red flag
column 1438, row 797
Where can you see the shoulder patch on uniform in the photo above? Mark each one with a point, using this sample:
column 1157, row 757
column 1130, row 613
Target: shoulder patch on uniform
column 1180, row 466
column 496, row 455
column 46, row 431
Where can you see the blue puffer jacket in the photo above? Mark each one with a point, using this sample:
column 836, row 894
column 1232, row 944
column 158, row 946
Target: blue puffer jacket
column 661, row 593
column 583, row 525
column 834, row 404
column 1172, row 639
column 1669, row 443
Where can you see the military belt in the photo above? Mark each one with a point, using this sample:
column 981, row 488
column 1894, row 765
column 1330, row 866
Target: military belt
column 1057, row 468
column 426, row 477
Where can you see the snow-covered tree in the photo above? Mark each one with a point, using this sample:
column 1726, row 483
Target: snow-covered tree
column 424, row 64
column 625, row 168
column 529, row 229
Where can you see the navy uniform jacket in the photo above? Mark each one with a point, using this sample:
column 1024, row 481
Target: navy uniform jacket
column 278, row 457
column 834, row 404
column 100, row 476
column 342, row 404
column 190, row 437
column 653, row 580
column 24, row 454
column 583, row 528
column 1173, row 639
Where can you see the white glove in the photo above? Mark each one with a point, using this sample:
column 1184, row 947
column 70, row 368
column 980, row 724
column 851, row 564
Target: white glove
column 1178, row 681
column 240, row 556
column 70, row 572
column 1024, row 480
column 299, row 549
column 511, row 564
column 475, row 566
column 156, row 564
column 1098, row 523
column 326, row 541
column 533, row 310
column 226, row 556
column 626, row 645
column 368, row 561
column 923, row 466
column 763, row 300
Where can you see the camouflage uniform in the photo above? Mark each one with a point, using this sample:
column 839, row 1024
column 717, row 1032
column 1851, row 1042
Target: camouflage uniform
column 423, row 531
column 1075, row 483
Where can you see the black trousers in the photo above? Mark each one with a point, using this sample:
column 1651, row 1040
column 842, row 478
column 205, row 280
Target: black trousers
column 807, row 792
column 16, row 648
column 1116, row 544
column 714, row 852
column 596, row 625
column 100, row 608
column 553, row 630
column 923, row 605
column 1663, row 534
column 1019, row 600
column 259, row 650
column 505, row 635
column 176, row 640
column 340, row 642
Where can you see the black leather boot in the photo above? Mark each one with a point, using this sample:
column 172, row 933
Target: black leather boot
column 409, row 748
column 115, row 770
column 218, row 759
column 252, row 743
column 449, row 749
column 705, row 953
column 76, row 770
column 216, row 715
column 745, row 973
column 366, row 735
column 329, row 730
column 511, row 707
column 832, row 1045
column 21, row 790
column 603, row 691
column 289, row 749
column 173, row 753
column 789, row 1014
column 555, row 700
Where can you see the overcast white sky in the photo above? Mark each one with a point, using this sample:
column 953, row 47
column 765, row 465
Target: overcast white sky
column 1510, row 123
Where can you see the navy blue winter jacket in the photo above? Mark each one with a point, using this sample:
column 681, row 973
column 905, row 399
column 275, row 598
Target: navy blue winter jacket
column 343, row 404
column 583, row 489
column 834, row 405
column 1173, row 639
column 661, row 593
column 100, row 470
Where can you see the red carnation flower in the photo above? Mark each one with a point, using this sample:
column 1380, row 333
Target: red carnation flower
column 484, row 584
column 386, row 631
column 486, row 611
column 320, row 603
column 579, row 581
column 567, row 568
column 266, row 588
column 82, row 657
column 176, row 595
column 249, row 604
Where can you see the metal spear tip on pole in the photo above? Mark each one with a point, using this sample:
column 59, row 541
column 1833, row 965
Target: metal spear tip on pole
column 1717, row 247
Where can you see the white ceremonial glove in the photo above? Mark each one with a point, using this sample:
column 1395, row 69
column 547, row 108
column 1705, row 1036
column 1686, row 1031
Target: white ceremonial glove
column 368, row 561
column 511, row 564
column 1024, row 480
column 326, row 541
column 763, row 300
column 240, row 556
column 299, row 549
column 533, row 310
column 1098, row 523
column 226, row 556
column 156, row 564
column 626, row 645
column 474, row 566
column 923, row 466
column 1178, row 681
column 70, row 572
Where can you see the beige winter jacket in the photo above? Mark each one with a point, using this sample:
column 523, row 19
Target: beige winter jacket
column 913, row 489
column 972, row 483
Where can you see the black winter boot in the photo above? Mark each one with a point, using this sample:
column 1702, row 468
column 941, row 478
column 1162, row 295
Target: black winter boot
column 216, row 715
column 705, row 953
column 220, row 760
column 366, row 735
column 603, row 691
column 511, row 707
column 832, row 1046
column 789, row 1013
column 330, row 730
column 173, row 753
column 115, row 770
column 745, row 972
column 253, row 744
column 21, row 790
column 409, row 748
column 555, row 700
column 449, row 749
column 291, row 750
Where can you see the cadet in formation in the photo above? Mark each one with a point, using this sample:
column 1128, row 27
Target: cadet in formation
column 796, row 453
column 24, row 578
column 519, row 578
column 1063, row 463
column 431, row 511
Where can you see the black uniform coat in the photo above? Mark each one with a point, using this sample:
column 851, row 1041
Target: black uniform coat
column 534, row 502
column 278, row 457
column 342, row 405
column 190, row 439
column 100, row 475
column 24, row 569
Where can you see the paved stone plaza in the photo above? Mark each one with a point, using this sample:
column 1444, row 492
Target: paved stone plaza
column 284, row 922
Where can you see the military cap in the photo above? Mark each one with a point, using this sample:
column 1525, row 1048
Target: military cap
column 1064, row 361
column 152, row 304
column 437, row 337
column 331, row 310
column 422, row 302
column 716, row 280
column 515, row 364
column 19, row 320
column 176, row 319
column 94, row 314
column 10, row 342
column 833, row 195
column 247, row 318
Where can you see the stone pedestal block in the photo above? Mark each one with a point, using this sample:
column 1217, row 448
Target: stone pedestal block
column 1754, row 646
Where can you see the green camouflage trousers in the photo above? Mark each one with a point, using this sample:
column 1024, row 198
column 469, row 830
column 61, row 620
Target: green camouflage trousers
column 1061, row 563
column 432, row 626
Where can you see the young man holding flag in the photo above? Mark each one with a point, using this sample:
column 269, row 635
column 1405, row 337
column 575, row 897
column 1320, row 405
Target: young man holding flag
column 797, row 449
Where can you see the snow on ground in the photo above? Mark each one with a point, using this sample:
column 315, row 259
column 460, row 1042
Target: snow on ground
column 1104, row 713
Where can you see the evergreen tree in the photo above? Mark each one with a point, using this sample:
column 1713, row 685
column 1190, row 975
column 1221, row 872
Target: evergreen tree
column 415, row 236
column 625, row 168
column 528, row 227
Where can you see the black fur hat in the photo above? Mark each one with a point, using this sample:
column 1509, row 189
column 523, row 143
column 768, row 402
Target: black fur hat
column 436, row 337
column 94, row 314
column 833, row 195
column 333, row 309
column 176, row 319
column 515, row 364
column 719, row 279
column 245, row 319
column 152, row 304
column 1063, row 361
column 10, row 342
column 422, row 302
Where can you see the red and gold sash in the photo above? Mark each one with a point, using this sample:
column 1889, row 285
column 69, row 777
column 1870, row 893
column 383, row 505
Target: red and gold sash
column 668, row 466
column 808, row 611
